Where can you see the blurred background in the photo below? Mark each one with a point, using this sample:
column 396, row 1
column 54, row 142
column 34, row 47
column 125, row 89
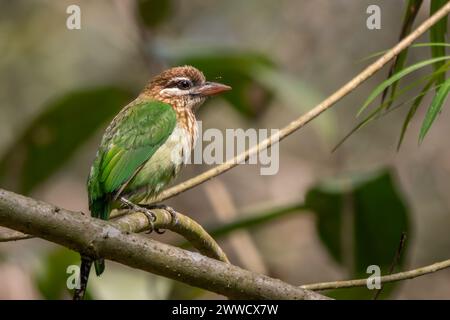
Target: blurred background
column 328, row 215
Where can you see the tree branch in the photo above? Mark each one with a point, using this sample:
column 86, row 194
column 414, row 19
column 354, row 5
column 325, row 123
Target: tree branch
column 138, row 222
column 185, row 226
column 384, row 279
column 98, row 238
column 310, row 115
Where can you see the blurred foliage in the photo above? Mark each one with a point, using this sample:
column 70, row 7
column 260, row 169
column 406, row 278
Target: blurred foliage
column 251, row 220
column 51, row 280
column 360, row 221
column 153, row 13
column 182, row 291
column 299, row 96
column 249, row 96
column 54, row 136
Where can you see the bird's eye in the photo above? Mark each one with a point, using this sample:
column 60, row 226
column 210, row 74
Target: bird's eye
column 183, row 84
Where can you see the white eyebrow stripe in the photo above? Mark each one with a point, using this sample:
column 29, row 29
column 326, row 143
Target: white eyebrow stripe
column 180, row 78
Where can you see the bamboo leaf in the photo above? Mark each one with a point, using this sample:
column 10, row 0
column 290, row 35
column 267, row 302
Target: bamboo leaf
column 437, row 34
column 413, row 109
column 418, row 100
column 434, row 109
column 379, row 89
column 412, row 9
column 377, row 114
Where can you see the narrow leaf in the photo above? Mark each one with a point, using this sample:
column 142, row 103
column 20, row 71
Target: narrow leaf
column 434, row 109
column 413, row 109
column 379, row 89
column 437, row 34
column 412, row 9
column 376, row 114
column 418, row 99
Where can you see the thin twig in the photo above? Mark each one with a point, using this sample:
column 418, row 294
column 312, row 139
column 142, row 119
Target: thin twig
column 397, row 256
column 384, row 279
column 310, row 115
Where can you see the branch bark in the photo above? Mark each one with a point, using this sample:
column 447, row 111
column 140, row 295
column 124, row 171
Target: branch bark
column 97, row 238
column 310, row 115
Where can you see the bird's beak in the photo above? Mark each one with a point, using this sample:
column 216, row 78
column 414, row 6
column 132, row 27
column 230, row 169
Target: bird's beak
column 210, row 89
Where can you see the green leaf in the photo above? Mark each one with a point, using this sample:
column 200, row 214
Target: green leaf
column 379, row 89
column 153, row 13
column 412, row 8
column 54, row 136
column 249, row 97
column 418, row 99
column 434, row 109
column 438, row 34
column 360, row 220
column 413, row 109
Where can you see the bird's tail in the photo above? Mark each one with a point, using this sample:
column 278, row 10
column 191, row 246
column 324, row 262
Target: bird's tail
column 100, row 208
column 85, row 269
column 99, row 266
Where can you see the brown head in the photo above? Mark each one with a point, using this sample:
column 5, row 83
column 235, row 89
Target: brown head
column 183, row 87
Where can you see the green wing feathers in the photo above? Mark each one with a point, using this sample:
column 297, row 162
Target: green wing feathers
column 130, row 141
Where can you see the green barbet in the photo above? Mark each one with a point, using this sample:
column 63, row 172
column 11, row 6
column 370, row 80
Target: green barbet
column 145, row 146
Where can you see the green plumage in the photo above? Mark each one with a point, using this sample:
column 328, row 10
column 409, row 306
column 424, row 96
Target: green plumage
column 128, row 145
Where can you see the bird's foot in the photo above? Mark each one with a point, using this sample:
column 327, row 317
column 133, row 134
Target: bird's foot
column 170, row 210
column 147, row 211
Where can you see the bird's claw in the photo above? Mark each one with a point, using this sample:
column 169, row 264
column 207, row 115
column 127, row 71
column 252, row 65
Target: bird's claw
column 173, row 213
column 151, row 220
column 146, row 211
column 151, row 215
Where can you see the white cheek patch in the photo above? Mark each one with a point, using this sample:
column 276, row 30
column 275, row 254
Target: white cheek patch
column 173, row 92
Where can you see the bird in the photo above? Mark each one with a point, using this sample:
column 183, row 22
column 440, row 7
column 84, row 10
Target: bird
column 144, row 148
